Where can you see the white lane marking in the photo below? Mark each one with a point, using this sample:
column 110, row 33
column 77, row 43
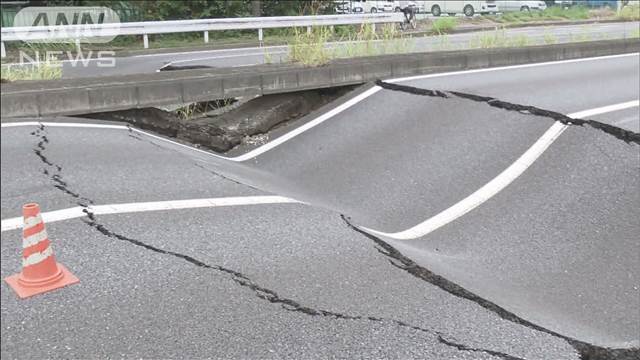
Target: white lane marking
column 77, row 212
column 219, row 57
column 499, row 182
column 299, row 130
column 283, row 138
column 168, row 54
column 521, row 66
column 249, row 155
column 211, row 51
column 605, row 109
column 61, row 124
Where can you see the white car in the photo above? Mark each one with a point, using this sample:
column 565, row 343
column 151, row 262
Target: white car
column 419, row 5
column 342, row 7
column 513, row 5
column 466, row 7
column 372, row 6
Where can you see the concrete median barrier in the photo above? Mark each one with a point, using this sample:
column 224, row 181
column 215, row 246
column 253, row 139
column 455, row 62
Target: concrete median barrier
column 88, row 95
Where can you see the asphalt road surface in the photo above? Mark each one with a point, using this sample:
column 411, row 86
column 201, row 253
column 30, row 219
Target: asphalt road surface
column 147, row 63
column 322, row 242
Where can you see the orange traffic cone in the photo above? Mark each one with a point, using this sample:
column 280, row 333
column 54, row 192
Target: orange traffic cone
column 40, row 271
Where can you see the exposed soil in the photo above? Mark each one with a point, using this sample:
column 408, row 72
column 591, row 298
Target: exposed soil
column 243, row 123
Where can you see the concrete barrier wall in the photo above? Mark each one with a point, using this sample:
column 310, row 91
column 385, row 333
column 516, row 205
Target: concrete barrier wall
column 78, row 96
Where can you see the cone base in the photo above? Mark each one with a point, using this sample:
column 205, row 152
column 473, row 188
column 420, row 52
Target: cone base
column 25, row 291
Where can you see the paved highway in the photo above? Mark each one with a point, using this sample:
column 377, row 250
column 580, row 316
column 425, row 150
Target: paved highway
column 147, row 63
column 533, row 252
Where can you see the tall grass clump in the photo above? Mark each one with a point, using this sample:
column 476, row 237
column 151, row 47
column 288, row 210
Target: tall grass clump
column 630, row 13
column 309, row 48
column 572, row 13
column 444, row 25
column 367, row 42
column 37, row 71
column 487, row 40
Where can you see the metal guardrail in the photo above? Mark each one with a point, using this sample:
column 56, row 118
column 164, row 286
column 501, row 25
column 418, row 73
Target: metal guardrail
column 86, row 31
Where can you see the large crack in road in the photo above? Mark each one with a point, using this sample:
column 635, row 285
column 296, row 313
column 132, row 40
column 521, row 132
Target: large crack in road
column 622, row 134
column 587, row 351
column 239, row 278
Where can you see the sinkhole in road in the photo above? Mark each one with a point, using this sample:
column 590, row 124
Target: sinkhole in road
column 223, row 124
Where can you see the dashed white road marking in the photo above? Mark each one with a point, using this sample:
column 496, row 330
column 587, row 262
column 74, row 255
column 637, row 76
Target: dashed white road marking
column 499, row 182
column 78, row 211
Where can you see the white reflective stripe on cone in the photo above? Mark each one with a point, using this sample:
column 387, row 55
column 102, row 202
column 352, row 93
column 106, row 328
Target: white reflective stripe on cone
column 32, row 221
column 34, row 239
column 38, row 257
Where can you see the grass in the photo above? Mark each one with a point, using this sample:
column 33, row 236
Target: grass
column 444, row 25
column 487, row 40
column 550, row 13
column 549, row 38
column 499, row 38
column 311, row 49
column 197, row 110
column 630, row 13
column 367, row 42
column 444, row 43
column 38, row 71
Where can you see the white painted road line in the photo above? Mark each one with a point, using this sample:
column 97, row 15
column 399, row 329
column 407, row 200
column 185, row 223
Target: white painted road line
column 249, row 155
column 322, row 118
column 521, row 66
column 221, row 57
column 499, row 182
column 61, row 124
column 299, row 130
column 78, row 211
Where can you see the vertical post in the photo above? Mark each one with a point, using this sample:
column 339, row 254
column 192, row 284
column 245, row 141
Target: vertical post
column 145, row 39
column 3, row 51
column 260, row 36
column 373, row 27
column 308, row 29
column 206, row 37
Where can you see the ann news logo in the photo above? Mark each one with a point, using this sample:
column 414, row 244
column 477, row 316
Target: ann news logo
column 60, row 24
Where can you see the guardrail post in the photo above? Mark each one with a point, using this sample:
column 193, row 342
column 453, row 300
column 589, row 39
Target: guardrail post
column 260, row 36
column 3, row 51
column 373, row 27
column 308, row 29
column 206, row 37
column 145, row 39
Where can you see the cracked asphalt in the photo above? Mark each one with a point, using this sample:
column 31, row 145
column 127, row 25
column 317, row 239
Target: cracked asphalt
column 546, row 269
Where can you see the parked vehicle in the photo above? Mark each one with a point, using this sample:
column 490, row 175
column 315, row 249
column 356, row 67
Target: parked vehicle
column 513, row 5
column 342, row 7
column 372, row 6
column 564, row 3
column 468, row 8
column 419, row 5
column 612, row 4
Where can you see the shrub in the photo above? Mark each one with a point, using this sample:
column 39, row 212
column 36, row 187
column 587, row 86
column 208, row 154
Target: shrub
column 630, row 12
column 444, row 25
